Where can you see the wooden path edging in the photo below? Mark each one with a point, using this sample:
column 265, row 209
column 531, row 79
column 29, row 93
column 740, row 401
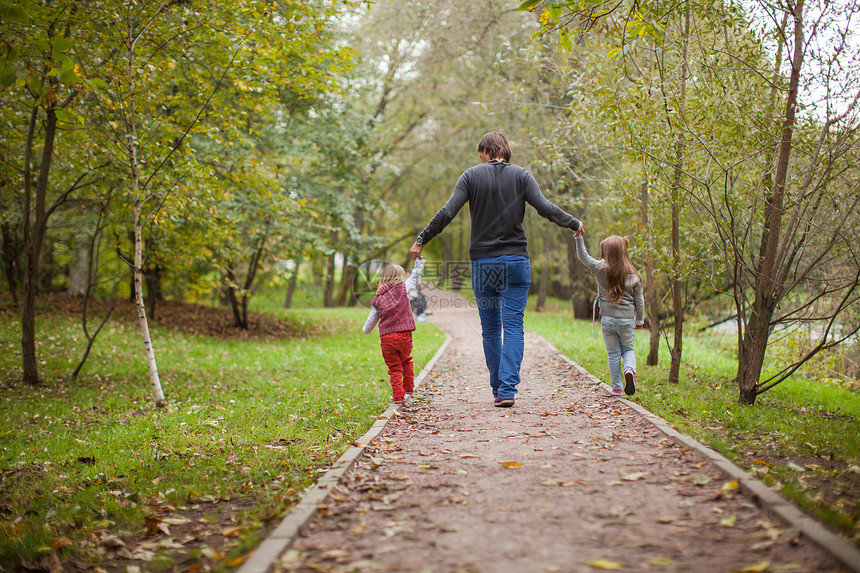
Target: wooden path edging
column 841, row 549
column 283, row 536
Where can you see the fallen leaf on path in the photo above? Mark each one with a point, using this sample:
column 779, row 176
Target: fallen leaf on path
column 605, row 564
column 660, row 561
column 231, row 531
column 176, row 520
column 634, row 476
column 468, row 456
column 759, row 567
column 512, row 464
column 729, row 521
column 730, row 485
column 142, row 555
column 701, row 480
column 112, row 542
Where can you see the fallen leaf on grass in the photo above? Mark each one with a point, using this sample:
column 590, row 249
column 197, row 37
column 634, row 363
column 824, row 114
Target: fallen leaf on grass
column 759, row 567
column 795, row 467
column 231, row 531
column 605, row 564
column 512, row 464
column 60, row 542
column 634, row 476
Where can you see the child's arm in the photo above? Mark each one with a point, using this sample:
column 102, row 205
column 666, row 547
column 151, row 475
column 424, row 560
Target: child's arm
column 372, row 319
column 413, row 279
column 583, row 255
column 639, row 304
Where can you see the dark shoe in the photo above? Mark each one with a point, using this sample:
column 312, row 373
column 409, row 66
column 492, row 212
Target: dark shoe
column 629, row 382
column 503, row 402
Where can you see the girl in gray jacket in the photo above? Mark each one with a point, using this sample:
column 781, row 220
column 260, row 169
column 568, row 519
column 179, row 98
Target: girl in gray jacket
column 622, row 306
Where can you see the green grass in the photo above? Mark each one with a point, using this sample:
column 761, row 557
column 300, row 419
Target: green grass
column 254, row 421
column 816, row 424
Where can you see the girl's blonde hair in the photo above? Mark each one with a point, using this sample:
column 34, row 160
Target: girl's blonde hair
column 613, row 251
column 392, row 274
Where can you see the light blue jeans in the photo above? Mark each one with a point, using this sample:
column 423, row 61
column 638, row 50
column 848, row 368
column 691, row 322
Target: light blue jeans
column 501, row 286
column 618, row 334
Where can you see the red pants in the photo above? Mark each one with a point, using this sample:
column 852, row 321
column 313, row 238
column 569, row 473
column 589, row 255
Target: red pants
column 397, row 352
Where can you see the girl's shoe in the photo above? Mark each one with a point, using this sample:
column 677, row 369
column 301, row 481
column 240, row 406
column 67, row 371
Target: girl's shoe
column 615, row 392
column 629, row 382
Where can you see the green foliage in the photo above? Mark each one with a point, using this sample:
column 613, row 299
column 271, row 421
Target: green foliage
column 250, row 423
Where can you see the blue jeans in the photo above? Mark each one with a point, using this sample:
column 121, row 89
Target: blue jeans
column 618, row 334
column 501, row 286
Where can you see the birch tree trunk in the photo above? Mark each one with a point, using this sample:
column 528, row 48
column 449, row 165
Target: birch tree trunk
column 651, row 302
column 677, row 283
column 137, row 271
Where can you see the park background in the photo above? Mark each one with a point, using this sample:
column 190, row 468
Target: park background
column 192, row 194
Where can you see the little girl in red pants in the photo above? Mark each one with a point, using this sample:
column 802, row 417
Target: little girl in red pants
column 390, row 307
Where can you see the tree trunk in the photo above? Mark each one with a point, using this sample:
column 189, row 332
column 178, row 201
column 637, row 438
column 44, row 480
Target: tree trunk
column 346, row 274
column 328, row 300
column 34, row 236
column 79, row 269
column 677, row 284
column 582, row 306
column 230, row 293
column 291, row 284
column 752, row 352
column 137, row 271
column 544, row 273
column 11, row 264
column 651, row 302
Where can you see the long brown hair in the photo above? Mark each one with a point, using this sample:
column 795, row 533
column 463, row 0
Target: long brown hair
column 392, row 274
column 613, row 251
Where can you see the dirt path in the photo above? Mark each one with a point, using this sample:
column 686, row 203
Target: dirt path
column 567, row 480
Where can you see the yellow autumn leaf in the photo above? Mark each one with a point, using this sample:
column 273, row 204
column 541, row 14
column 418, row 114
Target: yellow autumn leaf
column 759, row 567
column 729, row 521
column 511, row 464
column 730, row 485
column 605, row 564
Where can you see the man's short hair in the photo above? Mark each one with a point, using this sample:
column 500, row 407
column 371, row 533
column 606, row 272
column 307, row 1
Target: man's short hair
column 496, row 145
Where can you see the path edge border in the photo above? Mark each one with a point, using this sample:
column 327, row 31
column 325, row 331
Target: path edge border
column 282, row 537
column 841, row 549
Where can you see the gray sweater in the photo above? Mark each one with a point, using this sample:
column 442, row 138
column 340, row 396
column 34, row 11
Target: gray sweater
column 497, row 193
column 632, row 303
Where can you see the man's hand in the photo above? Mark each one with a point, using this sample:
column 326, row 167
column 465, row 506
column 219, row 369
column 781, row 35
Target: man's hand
column 415, row 251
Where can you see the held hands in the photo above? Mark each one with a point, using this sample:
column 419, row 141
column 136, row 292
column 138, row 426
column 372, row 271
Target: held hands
column 580, row 232
column 415, row 251
column 639, row 326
